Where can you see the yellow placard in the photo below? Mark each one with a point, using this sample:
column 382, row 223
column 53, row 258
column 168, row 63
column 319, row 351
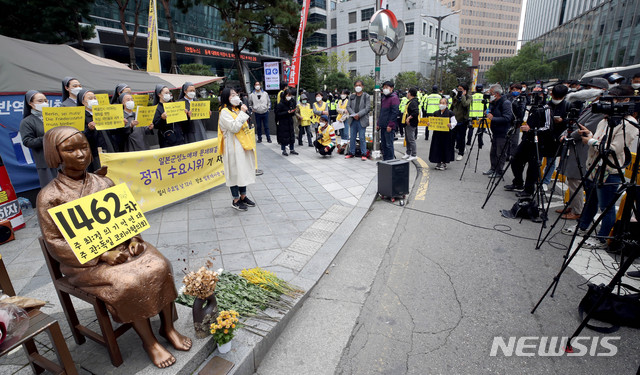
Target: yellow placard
column 200, row 110
column 141, row 100
column 423, row 121
column 175, row 112
column 144, row 115
column 164, row 176
column 439, row 124
column 103, row 99
column 108, row 116
column 476, row 123
column 99, row 222
column 63, row 116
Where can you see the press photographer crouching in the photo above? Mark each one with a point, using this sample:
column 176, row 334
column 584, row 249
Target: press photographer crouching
column 501, row 116
column 599, row 196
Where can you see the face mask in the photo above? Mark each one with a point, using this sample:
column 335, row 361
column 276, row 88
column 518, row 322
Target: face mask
column 257, row 88
column 386, row 91
column 130, row 105
column 343, row 96
column 39, row 106
column 92, row 103
column 166, row 97
column 492, row 98
column 515, row 93
column 524, row 89
column 76, row 90
column 323, row 124
column 443, row 107
column 573, row 89
column 635, row 85
column 288, row 98
column 318, row 98
column 556, row 101
column 235, row 101
column 191, row 94
column 304, row 101
column 358, row 88
column 612, row 86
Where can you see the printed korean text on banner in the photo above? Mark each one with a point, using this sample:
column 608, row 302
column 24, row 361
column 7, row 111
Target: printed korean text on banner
column 297, row 54
column 144, row 115
column 272, row 76
column 164, row 176
column 153, row 48
column 108, row 116
column 424, row 121
column 439, row 124
column 9, row 206
column 141, row 100
column 175, row 112
column 98, row 222
column 103, row 99
column 16, row 156
column 200, row 110
column 63, row 116
column 475, row 77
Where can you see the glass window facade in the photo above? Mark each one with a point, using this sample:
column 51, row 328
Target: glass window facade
column 318, row 19
column 316, row 40
column 366, row 14
column 410, row 26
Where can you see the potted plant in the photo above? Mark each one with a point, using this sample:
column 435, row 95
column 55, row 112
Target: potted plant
column 223, row 329
column 202, row 286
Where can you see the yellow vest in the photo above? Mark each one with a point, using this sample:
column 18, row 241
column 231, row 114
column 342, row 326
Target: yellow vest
column 325, row 136
column 246, row 135
column 306, row 113
column 476, row 105
column 319, row 109
column 342, row 104
column 433, row 103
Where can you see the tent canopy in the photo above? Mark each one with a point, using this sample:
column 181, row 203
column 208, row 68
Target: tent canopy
column 27, row 65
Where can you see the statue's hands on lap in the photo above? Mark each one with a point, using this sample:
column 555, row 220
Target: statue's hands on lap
column 136, row 248
column 114, row 257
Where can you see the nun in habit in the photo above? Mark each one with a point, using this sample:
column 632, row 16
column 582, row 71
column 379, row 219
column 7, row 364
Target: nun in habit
column 193, row 130
column 70, row 89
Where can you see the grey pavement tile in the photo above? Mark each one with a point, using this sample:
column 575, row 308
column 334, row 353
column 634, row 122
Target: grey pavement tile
column 325, row 225
column 348, row 183
column 174, row 226
column 169, row 239
column 298, row 215
column 282, row 228
column 202, row 235
column 226, row 211
column 252, row 231
column 204, row 249
column 264, row 258
column 304, row 246
column 291, row 206
column 236, row 262
column 312, row 205
column 280, row 193
column 263, row 243
column 200, row 224
column 270, row 208
column 303, row 225
column 286, row 239
column 341, row 194
column 317, row 235
column 253, row 219
column 357, row 190
column 276, row 217
column 305, row 197
column 316, row 213
column 234, row 246
column 230, row 233
column 291, row 260
column 317, row 190
column 333, row 186
column 200, row 213
column 267, row 200
column 222, row 222
column 351, row 201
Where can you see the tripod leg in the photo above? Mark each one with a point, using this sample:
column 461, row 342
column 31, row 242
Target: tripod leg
column 495, row 185
column 475, row 137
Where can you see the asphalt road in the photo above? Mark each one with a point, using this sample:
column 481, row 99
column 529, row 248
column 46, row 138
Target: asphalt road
column 426, row 288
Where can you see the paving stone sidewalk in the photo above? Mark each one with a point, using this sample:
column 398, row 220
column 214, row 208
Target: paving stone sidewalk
column 307, row 207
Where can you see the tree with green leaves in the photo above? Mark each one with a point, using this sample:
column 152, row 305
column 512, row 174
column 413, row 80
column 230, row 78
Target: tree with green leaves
column 309, row 72
column 337, row 80
column 368, row 82
column 528, row 65
column 405, row 80
column 247, row 22
column 130, row 41
column 45, row 21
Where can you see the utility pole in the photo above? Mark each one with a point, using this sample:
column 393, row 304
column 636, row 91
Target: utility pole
column 376, row 100
column 438, row 32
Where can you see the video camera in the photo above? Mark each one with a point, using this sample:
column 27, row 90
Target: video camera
column 606, row 105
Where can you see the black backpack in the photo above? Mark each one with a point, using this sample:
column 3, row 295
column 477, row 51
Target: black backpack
column 526, row 208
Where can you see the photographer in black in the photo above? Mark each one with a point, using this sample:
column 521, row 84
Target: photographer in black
column 539, row 121
column 551, row 140
column 501, row 117
column 519, row 107
column 460, row 107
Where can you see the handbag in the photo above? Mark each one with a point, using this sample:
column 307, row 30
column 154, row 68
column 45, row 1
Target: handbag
column 617, row 310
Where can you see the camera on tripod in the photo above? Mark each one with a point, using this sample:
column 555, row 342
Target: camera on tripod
column 607, row 106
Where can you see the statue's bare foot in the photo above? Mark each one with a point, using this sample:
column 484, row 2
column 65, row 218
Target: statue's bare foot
column 159, row 355
column 179, row 341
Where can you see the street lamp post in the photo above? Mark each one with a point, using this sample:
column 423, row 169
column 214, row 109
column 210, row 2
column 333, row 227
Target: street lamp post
column 439, row 32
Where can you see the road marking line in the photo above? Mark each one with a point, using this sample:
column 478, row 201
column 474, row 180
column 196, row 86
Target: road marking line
column 421, row 192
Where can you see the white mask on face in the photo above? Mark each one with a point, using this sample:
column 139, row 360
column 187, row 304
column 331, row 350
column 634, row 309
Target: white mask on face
column 92, row 103
column 287, row 98
column 492, row 98
column 556, row 101
column 191, row 94
column 318, row 98
column 166, row 97
column 39, row 106
column 524, row 88
column 257, row 88
column 130, row 105
column 635, row 85
column 343, row 96
column 235, row 101
column 358, row 88
column 443, row 107
column 386, row 91
column 76, row 90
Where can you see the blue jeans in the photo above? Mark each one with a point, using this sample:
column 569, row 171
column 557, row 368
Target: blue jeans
column 600, row 197
column 345, row 131
column 262, row 120
column 237, row 191
column 548, row 171
column 386, row 143
column 356, row 128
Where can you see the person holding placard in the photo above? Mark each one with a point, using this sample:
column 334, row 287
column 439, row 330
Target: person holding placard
column 133, row 279
column 70, row 89
column 32, row 133
column 441, row 151
column 122, row 88
column 236, row 147
column 326, row 140
column 97, row 138
column 343, row 114
column 134, row 134
column 193, row 130
column 304, row 113
column 168, row 134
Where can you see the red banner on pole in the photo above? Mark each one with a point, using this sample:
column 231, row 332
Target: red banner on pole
column 297, row 54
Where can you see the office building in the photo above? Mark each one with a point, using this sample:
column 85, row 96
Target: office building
column 542, row 16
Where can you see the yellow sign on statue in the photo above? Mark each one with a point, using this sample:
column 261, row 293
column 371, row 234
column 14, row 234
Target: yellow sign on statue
column 144, row 115
column 99, row 222
column 175, row 112
column 439, row 124
column 63, row 116
column 141, row 100
column 108, row 116
column 200, row 110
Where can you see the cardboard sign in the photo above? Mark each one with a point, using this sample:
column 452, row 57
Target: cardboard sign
column 439, row 124
column 99, row 222
column 423, row 121
column 108, row 116
column 63, row 116
column 141, row 100
column 103, row 99
column 175, row 112
column 144, row 115
column 476, row 123
column 200, row 110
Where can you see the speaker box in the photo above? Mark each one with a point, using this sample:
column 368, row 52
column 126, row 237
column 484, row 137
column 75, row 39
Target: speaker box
column 6, row 232
column 393, row 178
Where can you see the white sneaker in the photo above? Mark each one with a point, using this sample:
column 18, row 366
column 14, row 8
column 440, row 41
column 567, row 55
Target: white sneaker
column 595, row 244
column 545, row 187
column 571, row 229
column 406, row 156
column 459, row 157
column 412, row 158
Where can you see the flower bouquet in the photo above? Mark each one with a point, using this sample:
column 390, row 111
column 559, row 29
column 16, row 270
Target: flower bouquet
column 202, row 285
column 223, row 329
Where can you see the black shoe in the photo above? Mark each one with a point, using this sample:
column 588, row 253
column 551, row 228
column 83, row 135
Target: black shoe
column 299, row 143
column 634, row 275
column 513, row 187
column 269, row 140
column 239, row 205
column 523, row 194
column 285, row 153
column 259, row 140
column 248, row 202
column 310, row 145
column 468, row 143
column 489, row 172
column 292, row 152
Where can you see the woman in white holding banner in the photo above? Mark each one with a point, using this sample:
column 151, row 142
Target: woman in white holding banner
column 236, row 144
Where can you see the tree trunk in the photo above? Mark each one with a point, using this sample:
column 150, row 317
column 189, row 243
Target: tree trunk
column 236, row 53
column 122, row 7
column 79, row 33
column 172, row 37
